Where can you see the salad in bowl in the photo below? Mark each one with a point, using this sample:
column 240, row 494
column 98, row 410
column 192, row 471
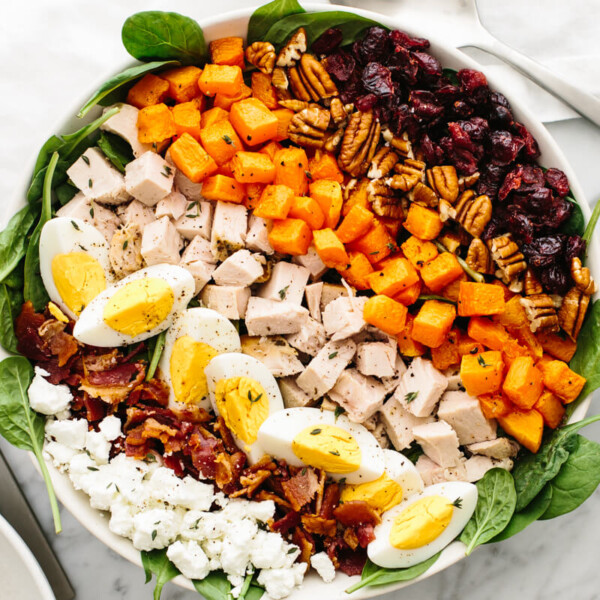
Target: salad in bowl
column 302, row 299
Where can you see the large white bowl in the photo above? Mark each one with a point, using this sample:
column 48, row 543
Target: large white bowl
column 235, row 23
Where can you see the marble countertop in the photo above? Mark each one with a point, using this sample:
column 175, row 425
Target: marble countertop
column 54, row 51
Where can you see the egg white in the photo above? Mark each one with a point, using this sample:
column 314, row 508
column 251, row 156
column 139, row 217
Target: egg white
column 64, row 235
column 91, row 328
column 401, row 470
column 203, row 325
column 383, row 554
column 236, row 364
column 278, row 432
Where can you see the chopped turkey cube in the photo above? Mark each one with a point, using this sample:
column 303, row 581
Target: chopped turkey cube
column 432, row 473
column 478, row 466
column 293, row 395
column 124, row 124
column 331, row 292
column 360, row 396
column 102, row 218
column 229, row 300
column 198, row 249
column 343, row 317
column 399, row 423
column 196, row 220
column 376, row 358
column 257, row 238
column 192, row 191
column 149, row 178
column 161, row 243
column 275, row 353
column 312, row 261
column 241, row 268
column 421, row 387
column 269, row 317
column 287, row 283
column 229, row 228
column 310, row 338
column 173, row 205
column 313, row 299
column 499, row 448
column 440, row 442
column 201, row 272
column 464, row 413
column 136, row 212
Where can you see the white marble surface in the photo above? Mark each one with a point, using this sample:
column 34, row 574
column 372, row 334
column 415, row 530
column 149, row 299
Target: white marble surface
column 53, row 53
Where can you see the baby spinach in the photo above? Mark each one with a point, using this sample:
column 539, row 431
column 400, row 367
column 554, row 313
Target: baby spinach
column 13, row 240
column 157, row 35
column 586, row 361
column 372, row 575
column 265, row 16
column 533, row 471
column 575, row 224
column 156, row 563
column 20, row 425
column 530, row 514
column 116, row 149
column 351, row 25
column 123, row 78
column 10, row 304
column 576, row 480
column 65, row 192
column 215, row 586
column 495, row 507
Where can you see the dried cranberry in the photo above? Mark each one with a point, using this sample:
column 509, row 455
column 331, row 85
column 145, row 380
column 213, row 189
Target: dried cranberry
column 425, row 105
column 476, row 128
column 462, row 139
column 462, row 109
column 533, row 178
column 505, row 147
column 544, row 251
column 328, row 41
column 447, row 94
column 464, row 160
column 558, row 181
column 403, row 40
column 521, row 224
column 538, row 202
column 531, row 149
column 471, row 79
column 500, row 112
column 427, row 63
column 377, row 79
column 403, row 66
column 432, row 152
column 341, row 65
column 574, row 248
column 373, row 46
column 558, row 214
column 555, row 279
column 366, row 102
column 512, row 181
column 490, row 179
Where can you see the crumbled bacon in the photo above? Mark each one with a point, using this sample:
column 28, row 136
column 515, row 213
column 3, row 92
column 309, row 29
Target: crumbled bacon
column 331, row 499
column 150, row 429
column 305, row 542
column 225, row 434
column 319, row 525
column 61, row 344
column 356, row 513
column 100, row 362
column 283, row 525
column 228, row 470
column 263, row 495
column 114, row 386
column 349, row 561
column 301, row 488
column 154, row 391
column 203, row 448
column 29, row 342
column 365, row 534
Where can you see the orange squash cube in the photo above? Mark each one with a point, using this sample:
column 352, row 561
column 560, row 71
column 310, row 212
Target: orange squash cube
column 329, row 248
column 446, row 354
column 155, row 124
column 482, row 373
column 263, row 90
column 356, row 194
column 433, row 322
column 491, row 335
column 385, row 314
column 227, row 51
column 271, row 149
column 523, row 383
column 253, row 194
column 221, row 141
column 559, row 347
column 226, row 101
column 275, row 202
column 329, row 196
column 324, row 166
column 452, row 290
column 212, row 115
column 355, row 224
column 186, row 117
column 397, row 275
column 220, row 79
column 422, row 222
column 476, row 299
column 191, row 158
column 564, row 382
column 290, row 236
column 253, row 121
column 407, row 346
column 252, row 167
column 376, row 244
column 419, row 252
column 357, row 271
column 308, row 210
column 149, row 90
column 551, row 409
column 183, row 82
column 441, row 271
column 223, row 188
column 526, row 426
column 290, row 169
column 410, row 295
column 283, row 116
column 494, row 405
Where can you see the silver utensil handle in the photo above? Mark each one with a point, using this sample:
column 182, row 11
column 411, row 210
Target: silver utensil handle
column 584, row 103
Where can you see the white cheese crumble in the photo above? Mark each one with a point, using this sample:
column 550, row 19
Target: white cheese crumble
column 323, row 565
column 47, row 398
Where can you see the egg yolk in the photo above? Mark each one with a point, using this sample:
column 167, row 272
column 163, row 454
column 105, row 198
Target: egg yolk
column 381, row 494
column 139, row 306
column 421, row 523
column 327, row 447
column 188, row 361
column 243, row 404
column 79, row 278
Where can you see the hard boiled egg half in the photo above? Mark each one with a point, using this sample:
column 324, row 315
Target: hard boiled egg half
column 399, row 480
column 74, row 263
column 136, row 307
column 422, row 525
column 317, row 438
column 243, row 391
column 196, row 336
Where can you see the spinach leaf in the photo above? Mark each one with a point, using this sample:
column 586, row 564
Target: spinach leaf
column 451, row 75
column 351, row 25
column 116, row 149
column 73, row 145
column 373, row 575
column 495, row 508
column 157, row 35
column 123, row 78
column 586, row 361
column 20, row 425
column 575, row 224
column 13, row 240
column 65, row 193
column 589, row 230
column 156, row 563
column 157, row 351
column 215, row 586
column 33, row 287
column 254, row 593
column 265, row 16
column 527, row 516
column 533, row 471
column 10, row 304
column 577, row 479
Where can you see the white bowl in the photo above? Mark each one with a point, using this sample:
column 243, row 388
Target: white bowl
column 20, row 574
column 235, row 23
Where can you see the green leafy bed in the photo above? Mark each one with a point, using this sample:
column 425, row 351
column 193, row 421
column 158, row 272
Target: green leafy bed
column 553, row 482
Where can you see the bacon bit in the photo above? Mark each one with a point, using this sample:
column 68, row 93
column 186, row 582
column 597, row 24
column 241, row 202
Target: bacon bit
column 100, row 362
column 351, row 562
column 137, row 451
column 154, row 390
column 57, row 374
column 305, row 542
column 301, row 488
column 174, row 463
column 320, row 492
column 113, row 393
column 228, row 470
column 292, row 519
column 265, row 495
column 355, row 513
column 251, row 483
column 29, row 342
column 331, row 498
column 226, row 435
column 365, row 534
column 203, row 451
column 121, row 375
column 95, row 409
column 192, row 414
column 173, row 445
column 151, row 429
column 350, row 538
column 61, row 344
column 319, row 526
column 266, row 462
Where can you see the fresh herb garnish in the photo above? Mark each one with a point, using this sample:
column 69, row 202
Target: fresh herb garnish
column 482, row 362
column 90, row 183
column 316, row 431
column 253, row 400
column 283, row 292
column 334, row 452
column 338, row 411
column 228, row 140
column 458, row 503
column 85, row 159
column 75, row 226
column 408, row 398
column 125, row 244
column 333, row 355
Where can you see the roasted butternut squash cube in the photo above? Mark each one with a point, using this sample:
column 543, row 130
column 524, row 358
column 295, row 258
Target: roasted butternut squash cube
column 253, row 194
column 446, row 354
column 263, row 90
column 183, row 82
column 495, row 405
column 407, row 346
column 226, row 101
column 433, row 322
column 561, row 380
column 283, row 116
column 551, row 409
column 526, row 426
column 223, row 188
column 385, row 314
column 419, row 252
column 329, row 196
column 441, row 271
column 355, row 224
column 482, row 373
column 290, row 236
column 376, row 244
column 275, row 202
column 560, row 347
column 186, row 117
column 192, row 159
column 523, row 383
column 149, row 90
column 397, row 275
column 227, row 51
column 307, row 209
column 422, row 222
column 409, row 295
column 155, row 124
column 253, row 121
column 252, row 167
column 212, row 115
column 329, row 248
column 270, row 149
column 221, row 141
column 476, row 299
column 220, row 79
column 357, row 271
column 491, row 335
column 324, row 166
column 290, row 169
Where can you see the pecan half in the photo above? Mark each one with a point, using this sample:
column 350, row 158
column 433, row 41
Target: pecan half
column 408, row 174
column 383, row 162
column 572, row 312
column 382, row 200
column 541, row 312
column 334, row 139
column 279, row 80
column 310, row 81
column 290, row 54
column 582, row 277
column 531, row 284
column 510, row 260
column 473, row 213
column 262, row 56
column 446, row 210
column 339, row 112
column 359, row 143
column 307, row 128
column 401, row 144
column 479, row 258
column 293, row 104
column 444, row 181
column 421, row 194
column 468, row 181
column 451, row 240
